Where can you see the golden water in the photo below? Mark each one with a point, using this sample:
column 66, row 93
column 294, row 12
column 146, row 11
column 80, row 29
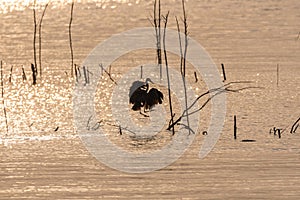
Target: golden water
column 250, row 37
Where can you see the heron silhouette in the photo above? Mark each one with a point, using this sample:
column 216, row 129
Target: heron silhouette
column 142, row 97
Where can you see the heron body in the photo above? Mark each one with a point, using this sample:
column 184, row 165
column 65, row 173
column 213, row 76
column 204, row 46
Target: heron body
column 142, row 97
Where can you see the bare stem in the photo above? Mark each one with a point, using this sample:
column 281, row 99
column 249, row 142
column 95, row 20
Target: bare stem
column 70, row 39
column 186, row 37
column 167, row 71
column 157, row 27
column 40, row 39
column 2, row 95
column 34, row 33
column 180, row 45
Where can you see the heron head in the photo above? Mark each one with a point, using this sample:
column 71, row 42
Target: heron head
column 148, row 80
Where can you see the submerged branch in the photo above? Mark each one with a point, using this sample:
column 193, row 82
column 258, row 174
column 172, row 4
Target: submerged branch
column 216, row 91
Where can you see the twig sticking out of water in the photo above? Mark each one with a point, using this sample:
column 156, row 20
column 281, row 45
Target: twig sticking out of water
column 34, row 73
column 2, row 95
column 34, row 33
column 214, row 92
column 86, row 75
column 157, row 27
column 234, row 127
column 156, row 23
column 183, row 54
column 108, row 73
column 185, row 37
column 223, row 70
column 277, row 75
column 141, row 71
column 167, row 71
column 77, row 72
column 10, row 74
column 295, row 126
column 196, row 77
column 23, row 74
column 70, row 39
column 120, row 130
column 40, row 38
column 277, row 131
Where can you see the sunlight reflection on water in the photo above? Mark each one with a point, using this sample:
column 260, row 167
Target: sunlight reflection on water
column 19, row 5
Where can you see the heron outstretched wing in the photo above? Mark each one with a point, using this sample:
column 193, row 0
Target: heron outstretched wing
column 137, row 94
column 154, row 97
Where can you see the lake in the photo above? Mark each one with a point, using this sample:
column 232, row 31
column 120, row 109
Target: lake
column 50, row 142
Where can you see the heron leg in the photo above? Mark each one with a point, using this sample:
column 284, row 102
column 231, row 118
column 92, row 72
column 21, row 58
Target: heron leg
column 144, row 113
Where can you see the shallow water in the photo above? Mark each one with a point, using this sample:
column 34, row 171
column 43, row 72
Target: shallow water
column 42, row 156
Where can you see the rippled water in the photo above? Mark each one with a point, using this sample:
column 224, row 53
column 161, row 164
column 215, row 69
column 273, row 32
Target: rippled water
column 42, row 156
column 20, row 5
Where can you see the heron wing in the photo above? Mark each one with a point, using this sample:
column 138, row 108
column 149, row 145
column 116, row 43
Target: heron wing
column 135, row 86
column 154, row 97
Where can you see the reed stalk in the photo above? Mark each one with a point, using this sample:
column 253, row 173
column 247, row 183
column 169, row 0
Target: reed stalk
column 2, row 95
column 223, row 70
column 10, row 74
column 70, row 39
column 167, row 71
column 34, row 33
column 40, row 38
column 157, row 27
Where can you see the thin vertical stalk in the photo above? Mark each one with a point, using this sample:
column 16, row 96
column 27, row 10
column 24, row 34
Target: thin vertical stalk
column 70, row 39
column 183, row 60
column 277, row 75
column 157, row 27
column 223, row 70
column 2, row 95
column 23, row 74
column 34, row 33
column 34, row 74
column 159, row 34
column 180, row 45
column 167, row 71
column 234, row 127
column 196, row 78
column 186, row 37
column 40, row 39
column 10, row 75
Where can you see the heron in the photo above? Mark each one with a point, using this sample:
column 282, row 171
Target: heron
column 142, row 97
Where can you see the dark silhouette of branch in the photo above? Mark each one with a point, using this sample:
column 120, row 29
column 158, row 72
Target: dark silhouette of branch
column 40, row 38
column 223, row 70
column 2, row 95
column 167, row 70
column 180, row 45
column 70, row 39
column 10, row 74
column 23, row 74
column 295, row 126
column 185, row 37
column 34, row 34
column 100, row 65
column 34, row 73
column 196, row 77
column 217, row 91
column 157, row 27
